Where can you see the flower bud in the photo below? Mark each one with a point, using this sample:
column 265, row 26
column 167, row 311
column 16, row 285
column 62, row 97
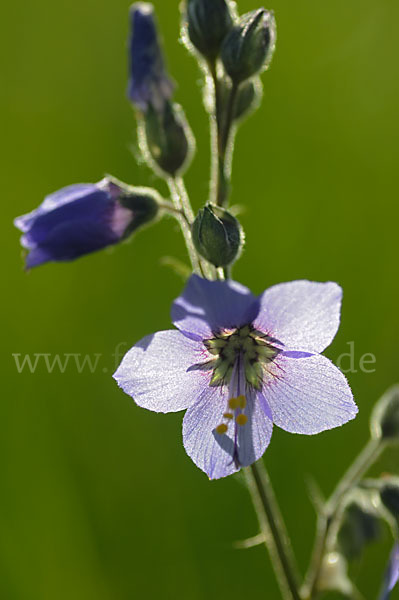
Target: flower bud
column 334, row 574
column 359, row 525
column 248, row 98
column 217, row 235
column 82, row 218
column 384, row 422
column 166, row 139
column 207, row 23
column 249, row 46
column 389, row 493
column 149, row 83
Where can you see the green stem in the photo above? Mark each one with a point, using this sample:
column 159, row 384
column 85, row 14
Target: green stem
column 170, row 208
column 226, row 151
column 227, row 272
column 207, row 269
column 221, row 165
column 273, row 529
column 215, row 127
column 367, row 457
column 185, row 200
column 185, row 224
column 229, row 120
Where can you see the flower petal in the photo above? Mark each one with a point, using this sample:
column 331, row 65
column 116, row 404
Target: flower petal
column 54, row 201
column 392, row 573
column 214, row 453
column 308, row 395
column 304, row 315
column 155, row 372
column 207, row 306
column 148, row 82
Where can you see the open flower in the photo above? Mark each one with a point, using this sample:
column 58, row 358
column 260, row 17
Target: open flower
column 238, row 364
column 149, row 83
column 392, row 574
column 82, row 218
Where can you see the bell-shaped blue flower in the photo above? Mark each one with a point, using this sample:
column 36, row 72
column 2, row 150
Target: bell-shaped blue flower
column 82, row 218
column 149, row 83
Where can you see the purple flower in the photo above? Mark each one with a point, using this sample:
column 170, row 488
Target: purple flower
column 238, row 364
column 149, row 83
column 392, row 574
column 82, row 218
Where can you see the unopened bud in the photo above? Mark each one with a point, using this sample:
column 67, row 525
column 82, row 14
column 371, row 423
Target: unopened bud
column 248, row 98
column 167, row 139
column 207, row 23
column 359, row 525
column 389, row 493
column 217, row 235
column 249, row 46
column 334, row 574
column 385, row 417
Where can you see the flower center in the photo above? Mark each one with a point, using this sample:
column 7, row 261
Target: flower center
column 252, row 348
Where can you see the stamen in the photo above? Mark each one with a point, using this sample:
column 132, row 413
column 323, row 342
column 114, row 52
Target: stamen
column 234, row 403
column 241, row 419
column 242, row 401
column 221, row 429
column 228, row 416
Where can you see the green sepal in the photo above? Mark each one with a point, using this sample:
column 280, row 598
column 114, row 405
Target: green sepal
column 217, row 235
column 249, row 46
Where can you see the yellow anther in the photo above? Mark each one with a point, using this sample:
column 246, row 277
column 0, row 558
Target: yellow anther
column 228, row 416
column 222, row 428
column 241, row 419
column 233, row 403
column 242, row 401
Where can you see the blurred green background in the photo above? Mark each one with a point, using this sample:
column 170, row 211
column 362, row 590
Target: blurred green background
column 98, row 499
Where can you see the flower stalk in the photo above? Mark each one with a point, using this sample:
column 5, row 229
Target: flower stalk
column 185, row 224
column 367, row 457
column 221, row 128
column 273, row 529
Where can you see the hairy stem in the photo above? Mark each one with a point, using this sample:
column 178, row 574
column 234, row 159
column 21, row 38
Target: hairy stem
column 273, row 529
column 360, row 465
column 185, row 200
column 222, row 122
column 185, row 224
column 170, row 208
column 353, row 475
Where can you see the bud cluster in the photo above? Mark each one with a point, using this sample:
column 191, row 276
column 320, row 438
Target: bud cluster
column 248, row 48
column 235, row 48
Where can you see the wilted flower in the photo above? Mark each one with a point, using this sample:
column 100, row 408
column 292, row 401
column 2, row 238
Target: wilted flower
column 392, row 574
column 82, row 218
column 149, row 83
column 239, row 364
